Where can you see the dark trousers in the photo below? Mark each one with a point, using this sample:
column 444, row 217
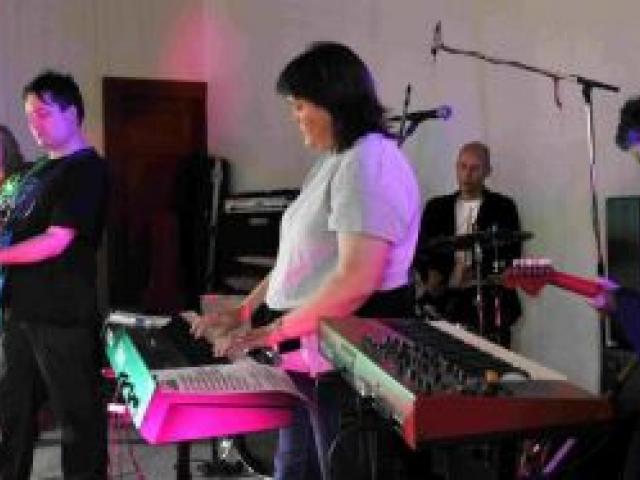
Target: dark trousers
column 62, row 364
column 315, row 425
column 305, row 444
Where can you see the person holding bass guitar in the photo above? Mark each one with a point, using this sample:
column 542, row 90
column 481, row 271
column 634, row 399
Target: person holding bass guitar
column 622, row 304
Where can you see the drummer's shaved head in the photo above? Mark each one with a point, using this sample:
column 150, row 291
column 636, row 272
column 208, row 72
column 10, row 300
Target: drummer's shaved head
column 479, row 150
column 473, row 166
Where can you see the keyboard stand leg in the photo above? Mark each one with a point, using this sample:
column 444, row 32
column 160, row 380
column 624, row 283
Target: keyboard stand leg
column 183, row 470
column 372, row 452
column 506, row 457
column 219, row 465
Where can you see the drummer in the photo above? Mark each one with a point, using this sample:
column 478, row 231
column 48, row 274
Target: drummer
column 446, row 267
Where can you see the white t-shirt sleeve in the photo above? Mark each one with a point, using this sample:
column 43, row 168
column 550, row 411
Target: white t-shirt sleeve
column 367, row 194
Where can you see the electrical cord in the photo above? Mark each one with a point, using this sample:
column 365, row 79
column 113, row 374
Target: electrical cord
column 365, row 424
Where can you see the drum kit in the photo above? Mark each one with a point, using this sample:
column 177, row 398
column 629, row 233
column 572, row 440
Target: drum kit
column 492, row 240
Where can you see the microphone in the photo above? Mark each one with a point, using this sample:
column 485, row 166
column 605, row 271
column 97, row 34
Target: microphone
column 436, row 42
column 443, row 112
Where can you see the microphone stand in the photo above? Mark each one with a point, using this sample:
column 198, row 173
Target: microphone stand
column 587, row 87
column 413, row 125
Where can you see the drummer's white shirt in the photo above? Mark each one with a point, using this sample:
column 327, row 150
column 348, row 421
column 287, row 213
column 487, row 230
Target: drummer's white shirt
column 466, row 216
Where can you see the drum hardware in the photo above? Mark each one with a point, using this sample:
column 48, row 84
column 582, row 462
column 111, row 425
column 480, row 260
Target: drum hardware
column 491, row 238
column 496, row 267
column 476, row 259
column 478, row 243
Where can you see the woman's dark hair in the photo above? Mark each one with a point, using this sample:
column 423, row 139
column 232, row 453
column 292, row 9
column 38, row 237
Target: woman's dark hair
column 60, row 88
column 13, row 159
column 629, row 121
column 332, row 76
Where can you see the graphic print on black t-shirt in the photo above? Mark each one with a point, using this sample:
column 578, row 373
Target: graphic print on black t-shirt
column 25, row 199
column 71, row 193
column 26, row 190
column 17, row 198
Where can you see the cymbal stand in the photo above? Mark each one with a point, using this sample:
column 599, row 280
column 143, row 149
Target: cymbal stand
column 495, row 269
column 477, row 261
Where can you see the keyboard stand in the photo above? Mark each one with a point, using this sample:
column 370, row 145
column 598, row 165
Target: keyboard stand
column 183, row 467
column 218, row 466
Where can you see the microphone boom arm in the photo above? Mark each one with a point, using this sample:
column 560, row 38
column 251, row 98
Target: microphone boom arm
column 438, row 44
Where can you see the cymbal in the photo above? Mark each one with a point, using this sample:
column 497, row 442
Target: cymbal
column 486, row 239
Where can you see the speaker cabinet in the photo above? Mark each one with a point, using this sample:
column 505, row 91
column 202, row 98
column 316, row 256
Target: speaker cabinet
column 248, row 237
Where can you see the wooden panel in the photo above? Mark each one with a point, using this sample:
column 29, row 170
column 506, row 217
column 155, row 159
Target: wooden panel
column 152, row 128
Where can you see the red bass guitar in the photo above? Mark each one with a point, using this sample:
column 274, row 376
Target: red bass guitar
column 532, row 274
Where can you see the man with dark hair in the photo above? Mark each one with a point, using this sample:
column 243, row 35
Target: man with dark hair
column 446, row 270
column 620, row 453
column 50, row 334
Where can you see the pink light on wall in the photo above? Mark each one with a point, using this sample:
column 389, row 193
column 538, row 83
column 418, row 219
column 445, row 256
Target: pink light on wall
column 183, row 52
column 207, row 46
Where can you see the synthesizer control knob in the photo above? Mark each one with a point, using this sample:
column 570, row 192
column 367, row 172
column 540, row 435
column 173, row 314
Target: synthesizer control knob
column 412, row 374
column 387, row 348
column 369, row 347
column 132, row 399
column 389, row 344
column 424, row 383
column 461, row 376
column 475, row 386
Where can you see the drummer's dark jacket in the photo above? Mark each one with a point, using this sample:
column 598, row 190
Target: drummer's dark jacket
column 438, row 220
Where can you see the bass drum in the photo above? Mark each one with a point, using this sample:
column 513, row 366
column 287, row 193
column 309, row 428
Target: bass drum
column 257, row 450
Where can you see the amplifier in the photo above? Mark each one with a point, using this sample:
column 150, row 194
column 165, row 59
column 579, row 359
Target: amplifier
column 248, row 237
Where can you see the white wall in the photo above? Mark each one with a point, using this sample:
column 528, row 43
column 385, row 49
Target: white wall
column 239, row 46
column 94, row 38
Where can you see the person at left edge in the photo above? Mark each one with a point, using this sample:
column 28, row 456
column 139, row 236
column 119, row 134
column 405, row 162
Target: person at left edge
column 50, row 336
column 12, row 164
column 12, row 167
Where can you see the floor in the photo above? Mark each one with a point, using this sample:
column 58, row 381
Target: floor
column 131, row 458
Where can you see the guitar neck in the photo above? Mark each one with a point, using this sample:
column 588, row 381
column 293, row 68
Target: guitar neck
column 573, row 283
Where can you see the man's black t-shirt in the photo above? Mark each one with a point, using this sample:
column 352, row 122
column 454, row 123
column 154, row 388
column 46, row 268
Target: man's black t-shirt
column 67, row 192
